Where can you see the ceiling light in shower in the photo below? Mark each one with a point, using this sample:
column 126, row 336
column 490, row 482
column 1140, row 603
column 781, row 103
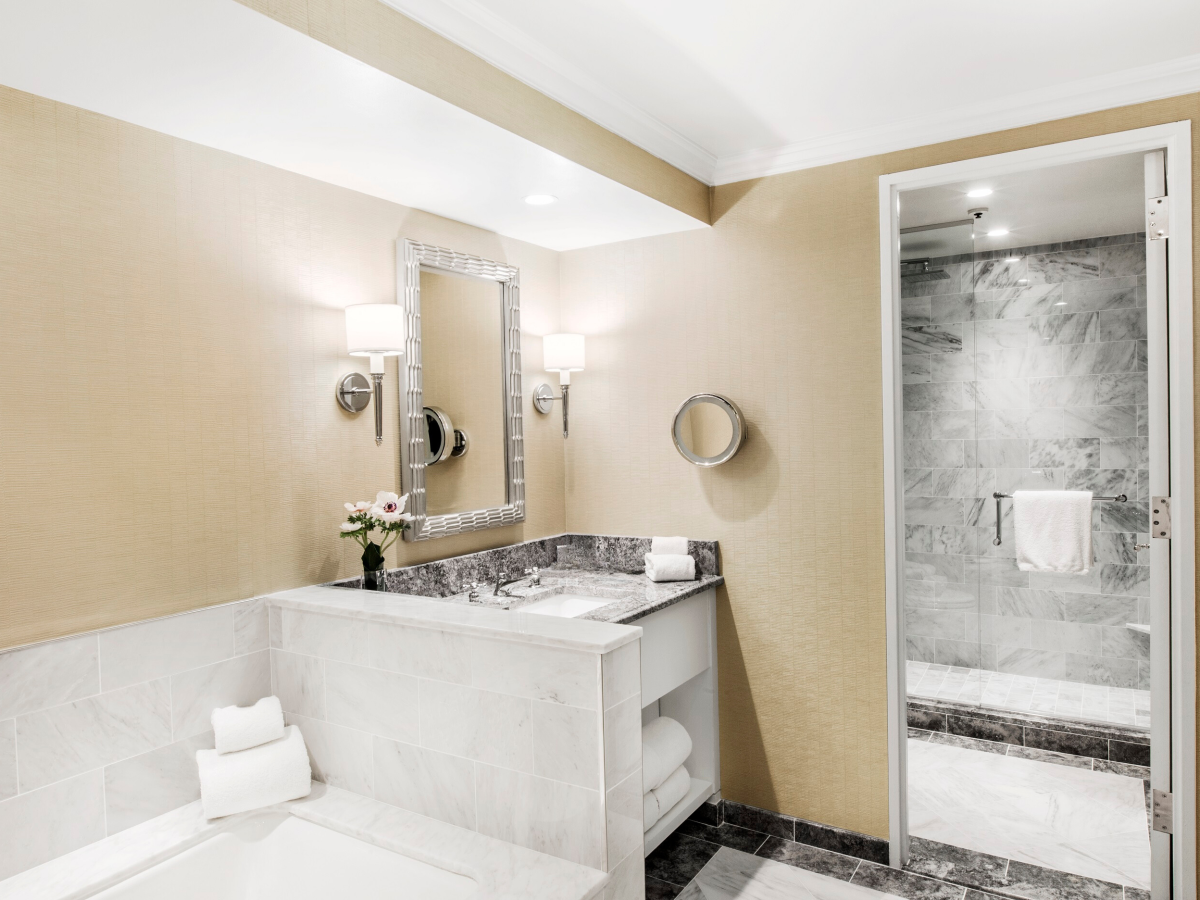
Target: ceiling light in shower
column 1013, row 259
column 540, row 199
column 980, row 192
column 998, row 232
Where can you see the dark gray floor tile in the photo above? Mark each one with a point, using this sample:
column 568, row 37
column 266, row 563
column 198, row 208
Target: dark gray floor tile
column 840, row 840
column 904, row 884
column 661, row 890
column 918, row 734
column 726, row 835
column 803, row 856
column 1036, row 883
column 971, row 894
column 1120, row 768
column 1067, row 742
column 968, row 743
column 984, row 729
column 1051, row 756
column 708, row 812
column 1126, row 752
column 956, row 864
column 677, row 859
column 926, row 719
column 1132, row 893
column 757, row 819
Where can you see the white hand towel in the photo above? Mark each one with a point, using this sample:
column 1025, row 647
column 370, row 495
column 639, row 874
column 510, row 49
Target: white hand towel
column 670, row 568
column 240, row 728
column 667, row 794
column 665, row 745
column 669, row 546
column 251, row 779
column 1053, row 531
column 650, row 811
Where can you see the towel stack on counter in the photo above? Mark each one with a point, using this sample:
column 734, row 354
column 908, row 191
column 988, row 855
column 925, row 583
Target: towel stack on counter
column 258, row 761
column 665, row 745
column 668, row 560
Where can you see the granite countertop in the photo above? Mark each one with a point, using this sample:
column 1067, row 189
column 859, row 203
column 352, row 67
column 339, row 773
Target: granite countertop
column 503, row 871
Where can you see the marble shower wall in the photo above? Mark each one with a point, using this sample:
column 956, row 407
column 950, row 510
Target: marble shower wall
column 1025, row 369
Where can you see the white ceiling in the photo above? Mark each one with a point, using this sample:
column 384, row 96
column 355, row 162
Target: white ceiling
column 219, row 74
column 733, row 89
column 1042, row 206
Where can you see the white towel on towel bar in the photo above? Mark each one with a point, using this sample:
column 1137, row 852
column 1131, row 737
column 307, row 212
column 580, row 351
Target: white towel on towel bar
column 669, row 546
column 251, row 779
column 1053, row 531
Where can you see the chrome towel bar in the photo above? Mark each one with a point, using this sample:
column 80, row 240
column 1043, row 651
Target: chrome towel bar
column 1120, row 498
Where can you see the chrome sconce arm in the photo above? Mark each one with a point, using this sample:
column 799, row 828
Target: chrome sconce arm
column 543, row 402
column 561, row 353
column 353, row 395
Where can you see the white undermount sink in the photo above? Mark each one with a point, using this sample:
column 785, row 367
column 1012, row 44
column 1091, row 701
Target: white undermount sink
column 568, row 606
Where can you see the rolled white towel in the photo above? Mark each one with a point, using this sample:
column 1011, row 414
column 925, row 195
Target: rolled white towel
column 251, row 779
column 240, row 728
column 660, row 567
column 670, row 792
column 669, row 546
column 665, row 746
column 650, row 811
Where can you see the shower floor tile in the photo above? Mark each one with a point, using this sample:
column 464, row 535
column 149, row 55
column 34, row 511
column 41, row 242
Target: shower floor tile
column 1019, row 693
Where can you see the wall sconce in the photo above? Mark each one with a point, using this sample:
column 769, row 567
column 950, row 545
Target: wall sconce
column 375, row 330
column 562, row 353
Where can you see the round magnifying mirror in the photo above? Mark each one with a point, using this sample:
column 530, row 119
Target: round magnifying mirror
column 439, row 435
column 708, row 430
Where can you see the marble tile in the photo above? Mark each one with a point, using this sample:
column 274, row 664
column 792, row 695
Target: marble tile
column 241, row 681
column 48, row 674
column 1122, row 260
column 1127, row 580
column 1125, row 453
column 679, row 859
column 1034, row 813
column 1127, row 517
column 139, row 789
column 1036, row 882
column 1066, row 266
column 566, row 744
column 1051, row 756
column 1075, row 453
column 623, row 816
column 8, row 759
column 328, row 637
column 424, row 781
column 1100, row 422
column 622, row 740
column 967, row 743
column 275, row 626
column 1102, row 294
column 1099, row 359
column 338, row 756
column 899, row 883
column 1067, row 328
column 1072, row 637
column 656, row 889
column 953, row 308
column 166, row 646
column 251, row 624
column 560, row 819
column 1024, row 301
column 372, row 700
column 934, row 454
column 1129, row 770
column 1099, row 609
column 1079, row 390
column 299, row 683
column 1012, row 454
column 477, row 724
column 952, row 424
column 1066, row 742
column 933, row 396
column 1123, row 642
column 949, row 863
column 33, row 829
column 933, row 567
column 915, row 369
column 943, row 338
column 803, row 856
column 627, row 878
column 621, row 670
column 1129, row 752
column 990, row 730
column 1040, row 663
column 1122, row 390
column 1032, row 362
column 1107, row 482
column 726, row 835
column 1045, row 424
column 841, row 840
column 994, row 274
column 67, row 740
column 753, row 818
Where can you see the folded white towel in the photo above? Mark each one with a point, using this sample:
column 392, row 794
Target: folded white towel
column 240, row 728
column 650, row 811
column 660, row 567
column 666, row 795
column 669, row 546
column 251, row 779
column 665, row 746
column 1053, row 531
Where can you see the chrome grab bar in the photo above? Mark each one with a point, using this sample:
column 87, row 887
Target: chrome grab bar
column 1120, row 498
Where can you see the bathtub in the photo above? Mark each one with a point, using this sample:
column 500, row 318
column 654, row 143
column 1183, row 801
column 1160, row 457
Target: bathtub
column 276, row 856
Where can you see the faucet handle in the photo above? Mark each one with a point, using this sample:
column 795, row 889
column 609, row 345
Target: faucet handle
column 474, row 593
column 532, row 571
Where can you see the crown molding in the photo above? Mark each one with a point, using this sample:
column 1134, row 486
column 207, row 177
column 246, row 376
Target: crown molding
column 1154, row 82
column 476, row 29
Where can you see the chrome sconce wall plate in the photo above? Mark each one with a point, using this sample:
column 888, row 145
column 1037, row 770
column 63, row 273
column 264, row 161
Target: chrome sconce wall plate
column 561, row 353
column 690, row 417
column 353, row 393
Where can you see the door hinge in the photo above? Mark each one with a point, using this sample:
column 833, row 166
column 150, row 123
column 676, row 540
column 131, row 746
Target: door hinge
column 1162, row 811
column 1158, row 218
column 1160, row 517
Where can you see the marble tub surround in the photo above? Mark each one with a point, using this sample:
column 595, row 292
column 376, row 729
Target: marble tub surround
column 602, row 566
column 98, row 732
column 520, row 727
column 503, row 871
column 1026, row 370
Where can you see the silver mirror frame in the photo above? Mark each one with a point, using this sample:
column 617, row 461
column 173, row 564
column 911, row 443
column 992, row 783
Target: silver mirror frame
column 411, row 257
column 736, row 421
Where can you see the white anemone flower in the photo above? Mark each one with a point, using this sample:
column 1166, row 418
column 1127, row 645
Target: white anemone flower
column 389, row 502
column 360, row 507
column 350, row 527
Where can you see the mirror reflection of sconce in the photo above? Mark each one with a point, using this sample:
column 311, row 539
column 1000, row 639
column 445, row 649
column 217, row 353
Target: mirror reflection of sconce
column 562, row 353
column 442, row 440
column 708, row 430
column 375, row 330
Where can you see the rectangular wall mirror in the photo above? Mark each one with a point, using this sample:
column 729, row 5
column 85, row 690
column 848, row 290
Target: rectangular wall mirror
column 462, row 462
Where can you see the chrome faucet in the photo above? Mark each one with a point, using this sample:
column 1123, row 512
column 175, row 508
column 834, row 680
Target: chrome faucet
column 502, row 579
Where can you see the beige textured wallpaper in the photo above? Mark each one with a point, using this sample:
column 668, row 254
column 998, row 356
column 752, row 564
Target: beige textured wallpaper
column 172, row 335
column 378, row 35
column 461, row 359
column 776, row 306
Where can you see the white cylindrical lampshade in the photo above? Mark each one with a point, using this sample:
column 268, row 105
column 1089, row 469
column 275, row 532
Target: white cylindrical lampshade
column 563, row 352
column 375, row 329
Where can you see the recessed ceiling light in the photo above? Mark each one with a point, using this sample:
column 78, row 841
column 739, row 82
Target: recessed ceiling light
column 980, row 192
column 1061, row 303
column 541, row 199
column 998, row 232
column 1013, row 259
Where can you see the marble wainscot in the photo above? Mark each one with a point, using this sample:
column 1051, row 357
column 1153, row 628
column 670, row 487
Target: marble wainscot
column 524, row 728
column 601, row 566
column 502, row 870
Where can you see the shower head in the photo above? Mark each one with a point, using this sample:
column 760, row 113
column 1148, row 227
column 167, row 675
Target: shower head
column 917, row 270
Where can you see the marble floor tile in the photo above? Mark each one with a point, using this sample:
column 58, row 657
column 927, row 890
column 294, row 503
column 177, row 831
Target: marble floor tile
column 814, row 859
column 724, row 835
column 661, row 890
column 1076, row 821
column 679, row 858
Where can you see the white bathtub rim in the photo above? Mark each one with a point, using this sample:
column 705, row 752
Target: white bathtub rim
column 502, row 871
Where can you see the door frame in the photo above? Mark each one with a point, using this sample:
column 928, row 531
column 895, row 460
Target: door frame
column 1175, row 138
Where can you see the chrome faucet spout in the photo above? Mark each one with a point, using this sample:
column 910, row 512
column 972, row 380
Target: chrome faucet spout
column 502, row 580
